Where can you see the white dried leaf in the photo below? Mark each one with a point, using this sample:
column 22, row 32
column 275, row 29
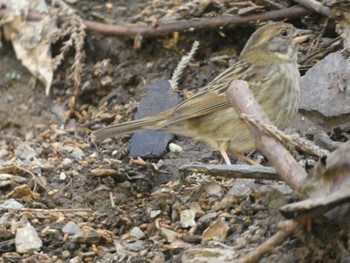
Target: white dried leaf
column 30, row 39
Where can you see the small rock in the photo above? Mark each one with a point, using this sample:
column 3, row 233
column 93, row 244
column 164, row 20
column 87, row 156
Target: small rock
column 212, row 188
column 187, row 218
column 11, row 204
column 205, row 254
column 71, row 228
column 3, row 153
column 158, row 257
column 155, row 213
column 63, row 176
column 103, row 172
column 240, row 242
column 75, row 152
column 66, row 162
column 27, row 240
column 168, row 234
column 137, row 232
column 25, row 152
column 87, row 235
column 75, row 260
column 242, row 188
column 20, row 191
column 150, row 144
column 65, row 254
column 135, row 246
column 275, row 196
column 207, row 217
column 217, row 231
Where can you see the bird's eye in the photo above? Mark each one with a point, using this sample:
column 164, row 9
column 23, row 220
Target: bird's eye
column 283, row 33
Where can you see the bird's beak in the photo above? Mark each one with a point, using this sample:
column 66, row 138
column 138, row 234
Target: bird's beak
column 301, row 35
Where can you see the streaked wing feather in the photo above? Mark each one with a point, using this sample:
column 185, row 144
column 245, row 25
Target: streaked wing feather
column 212, row 97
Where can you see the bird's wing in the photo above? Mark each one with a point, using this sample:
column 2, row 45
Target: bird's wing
column 212, row 97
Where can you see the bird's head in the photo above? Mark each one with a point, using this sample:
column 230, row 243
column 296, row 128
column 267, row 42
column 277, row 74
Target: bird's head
column 273, row 42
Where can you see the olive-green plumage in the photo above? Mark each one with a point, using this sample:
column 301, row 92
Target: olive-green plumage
column 268, row 63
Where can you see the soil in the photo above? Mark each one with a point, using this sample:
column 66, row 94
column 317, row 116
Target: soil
column 67, row 160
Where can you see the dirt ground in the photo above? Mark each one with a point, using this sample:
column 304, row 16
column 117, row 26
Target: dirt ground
column 67, row 171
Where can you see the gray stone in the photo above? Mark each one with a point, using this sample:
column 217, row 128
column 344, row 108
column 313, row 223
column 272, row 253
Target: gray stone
column 137, row 232
column 275, row 196
column 11, row 204
column 325, row 91
column 150, row 144
column 27, row 239
column 242, row 188
column 75, row 152
column 71, row 228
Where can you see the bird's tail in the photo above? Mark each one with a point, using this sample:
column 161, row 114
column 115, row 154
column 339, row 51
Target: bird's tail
column 147, row 123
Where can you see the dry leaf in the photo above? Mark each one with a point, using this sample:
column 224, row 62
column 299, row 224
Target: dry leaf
column 30, row 39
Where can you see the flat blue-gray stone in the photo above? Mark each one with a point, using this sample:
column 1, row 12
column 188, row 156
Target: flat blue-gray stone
column 152, row 144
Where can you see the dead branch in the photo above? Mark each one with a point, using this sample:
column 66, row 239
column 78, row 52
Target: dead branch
column 242, row 99
column 179, row 26
column 55, row 210
column 318, row 206
column 233, row 171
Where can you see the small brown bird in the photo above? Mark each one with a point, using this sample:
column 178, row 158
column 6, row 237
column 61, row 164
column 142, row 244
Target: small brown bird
column 268, row 63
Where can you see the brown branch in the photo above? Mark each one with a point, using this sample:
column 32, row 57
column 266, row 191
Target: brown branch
column 242, row 100
column 180, row 26
column 233, row 171
column 39, row 210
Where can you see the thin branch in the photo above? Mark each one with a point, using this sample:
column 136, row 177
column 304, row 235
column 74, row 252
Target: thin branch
column 233, row 171
column 63, row 210
column 180, row 26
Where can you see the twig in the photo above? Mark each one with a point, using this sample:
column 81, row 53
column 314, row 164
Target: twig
column 233, row 171
column 317, row 205
column 293, row 140
column 180, row 26
column 34, row 177
column 63, row 210
column 317, row 6
column 111, row 197
column 242, row 99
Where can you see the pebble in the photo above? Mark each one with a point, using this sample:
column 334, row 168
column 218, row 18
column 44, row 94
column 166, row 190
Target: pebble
column 66, row 162
column 3, row 153
column 275, row 196
column 27, row 240
column 75, row 152
column 187, row 218
column 137, row 232
column 63, row 176
column 71, row 228
column 168, row 234
column 11, row 204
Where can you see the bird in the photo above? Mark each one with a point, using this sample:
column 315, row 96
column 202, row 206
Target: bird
column 268, row 62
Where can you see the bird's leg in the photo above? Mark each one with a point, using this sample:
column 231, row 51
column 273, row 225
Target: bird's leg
column 245, row 158
column 223, row 151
